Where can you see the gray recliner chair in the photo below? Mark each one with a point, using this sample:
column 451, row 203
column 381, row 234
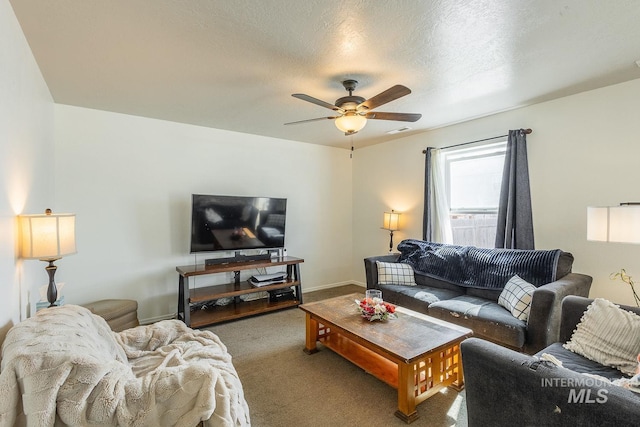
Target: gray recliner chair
column 505, row 388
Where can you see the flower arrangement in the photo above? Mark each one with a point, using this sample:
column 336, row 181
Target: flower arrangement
column 376, row 309
column 622, row 275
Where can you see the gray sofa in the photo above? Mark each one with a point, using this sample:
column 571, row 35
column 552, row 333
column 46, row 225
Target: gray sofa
column 461, row 285
column 539, row 393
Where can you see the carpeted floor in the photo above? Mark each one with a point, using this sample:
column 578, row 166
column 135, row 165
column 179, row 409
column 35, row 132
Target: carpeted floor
column 286, row 387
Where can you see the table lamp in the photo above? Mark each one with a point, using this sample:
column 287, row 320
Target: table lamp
column 390, row 221
column 48, row 237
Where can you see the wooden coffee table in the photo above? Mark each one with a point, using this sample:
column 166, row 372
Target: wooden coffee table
column 416, row 354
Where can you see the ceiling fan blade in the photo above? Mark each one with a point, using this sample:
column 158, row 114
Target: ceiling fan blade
column 388, row 95
column 401, row 117
column 311, row 120
column 316, row 101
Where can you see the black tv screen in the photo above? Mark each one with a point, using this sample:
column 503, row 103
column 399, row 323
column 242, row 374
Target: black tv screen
column 233, row 223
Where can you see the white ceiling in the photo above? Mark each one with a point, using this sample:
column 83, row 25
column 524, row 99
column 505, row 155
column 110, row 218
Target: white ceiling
column 233, row 64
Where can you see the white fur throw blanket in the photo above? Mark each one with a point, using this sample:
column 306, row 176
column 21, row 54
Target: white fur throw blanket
column 65, row 366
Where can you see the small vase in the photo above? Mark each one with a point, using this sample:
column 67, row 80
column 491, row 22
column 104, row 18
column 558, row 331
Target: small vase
column 373, row 294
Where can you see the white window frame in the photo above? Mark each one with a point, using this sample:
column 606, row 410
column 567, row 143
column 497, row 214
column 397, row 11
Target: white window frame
column 497, row 148
column 476, row 152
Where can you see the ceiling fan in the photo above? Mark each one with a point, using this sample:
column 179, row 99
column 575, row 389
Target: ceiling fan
column 353, row 111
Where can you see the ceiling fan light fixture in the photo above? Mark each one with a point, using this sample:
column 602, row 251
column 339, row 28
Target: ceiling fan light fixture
column 351, row 122
column 353, row 111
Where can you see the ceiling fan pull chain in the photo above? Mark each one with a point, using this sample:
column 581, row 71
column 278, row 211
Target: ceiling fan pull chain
column 351, row 153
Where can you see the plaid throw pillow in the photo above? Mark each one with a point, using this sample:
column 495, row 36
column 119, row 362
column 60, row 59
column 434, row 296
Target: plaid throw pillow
column 395, row 273
column 516, row 297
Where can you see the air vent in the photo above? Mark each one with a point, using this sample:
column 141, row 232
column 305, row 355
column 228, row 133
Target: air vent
column 402, row 129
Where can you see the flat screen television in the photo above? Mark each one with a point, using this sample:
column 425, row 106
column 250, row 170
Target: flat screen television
column 235, row 223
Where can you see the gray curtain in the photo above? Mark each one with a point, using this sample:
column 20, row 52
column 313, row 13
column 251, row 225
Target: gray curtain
column 427, row 227
column 515, row 220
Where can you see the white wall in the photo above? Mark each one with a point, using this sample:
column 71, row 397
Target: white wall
column 583, row 151
column 130, row 179
column 26, row 170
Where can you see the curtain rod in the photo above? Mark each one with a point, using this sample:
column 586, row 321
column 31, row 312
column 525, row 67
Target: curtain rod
column 526, row 131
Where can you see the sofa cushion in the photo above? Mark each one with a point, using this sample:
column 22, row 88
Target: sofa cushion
column 487, row 319
column 516, row 297
column 469, row 266
column 577, row 363
column 490, row 294
column 394, row 273
column 608, row 335
column 416, row 298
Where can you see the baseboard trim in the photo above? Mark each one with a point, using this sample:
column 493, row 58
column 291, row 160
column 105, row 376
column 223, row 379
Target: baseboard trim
column 333, row 285
column 151, row 320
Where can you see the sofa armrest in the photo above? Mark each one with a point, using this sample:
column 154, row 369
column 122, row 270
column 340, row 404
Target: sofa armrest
column 537, row 393
column 543, row 326
column 572, row 310
column 371, row 270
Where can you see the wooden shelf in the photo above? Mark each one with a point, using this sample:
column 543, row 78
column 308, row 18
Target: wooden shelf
column 236, row 311
column 373, row 363
column 207, row 293
column 237, row 308
column 201, row 269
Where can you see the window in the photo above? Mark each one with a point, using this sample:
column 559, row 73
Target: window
column 473, row 177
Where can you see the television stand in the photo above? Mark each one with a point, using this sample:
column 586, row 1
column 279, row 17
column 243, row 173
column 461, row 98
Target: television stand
column 237, row 309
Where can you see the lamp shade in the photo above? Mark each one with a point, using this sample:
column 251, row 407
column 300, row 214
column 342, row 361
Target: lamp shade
column 598, row 224
column 351, row 122
column 48, row 236
column 391, row 221
column 614, row 224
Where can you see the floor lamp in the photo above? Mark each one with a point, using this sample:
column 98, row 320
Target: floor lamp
column 48, row 237
column 620, row 224
column 390, row 222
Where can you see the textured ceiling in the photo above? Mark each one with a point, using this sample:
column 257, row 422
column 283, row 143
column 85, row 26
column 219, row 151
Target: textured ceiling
column 234, row 64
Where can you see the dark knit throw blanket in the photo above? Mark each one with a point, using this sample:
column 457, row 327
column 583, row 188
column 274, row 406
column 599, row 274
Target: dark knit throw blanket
column 479, row 267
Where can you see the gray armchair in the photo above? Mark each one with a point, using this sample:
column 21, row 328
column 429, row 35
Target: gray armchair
column 504, row 387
